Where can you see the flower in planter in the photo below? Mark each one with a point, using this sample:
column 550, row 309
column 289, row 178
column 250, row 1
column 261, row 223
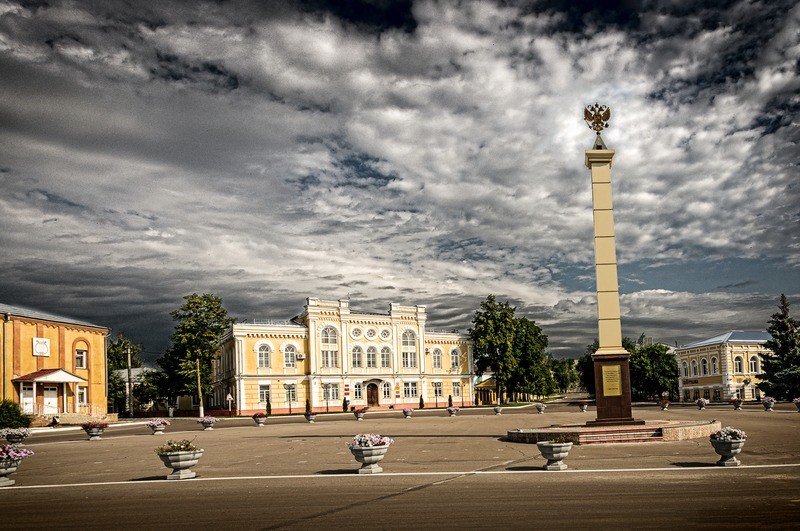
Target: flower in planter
column 184, row 445
column 768, row 400
column 11, row 452
column 92, row 425
column 15, row 434
column 452, row 410
column 735, row 400
column 207, row 420
column 729, row 433
column 701, row 402
column 158, row 422
column 407, row 411
column 368, row 440
column 359, row 412
column 259, row 415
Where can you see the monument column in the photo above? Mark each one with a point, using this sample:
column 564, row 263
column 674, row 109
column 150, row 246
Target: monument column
column 611, row 368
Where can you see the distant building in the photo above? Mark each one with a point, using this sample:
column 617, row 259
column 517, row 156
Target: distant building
column 328, row 355
column 52, row 364
column 722, row 367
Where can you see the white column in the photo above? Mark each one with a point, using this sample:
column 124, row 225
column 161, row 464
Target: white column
column 76, row 398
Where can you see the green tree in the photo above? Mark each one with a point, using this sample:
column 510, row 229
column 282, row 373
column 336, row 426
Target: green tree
column 780, row 376
column 118, row 353
column 201, row 323
column 654, row 370
column 532, row 374
column 492, row 334
column 147, row 388
column 564, row 374
column 116, row 391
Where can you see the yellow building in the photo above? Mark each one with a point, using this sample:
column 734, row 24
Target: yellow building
column 328, row 355
column 51, row 364
column 722, row 367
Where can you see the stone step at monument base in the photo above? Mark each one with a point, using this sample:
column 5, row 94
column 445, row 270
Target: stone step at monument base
column 651, row 431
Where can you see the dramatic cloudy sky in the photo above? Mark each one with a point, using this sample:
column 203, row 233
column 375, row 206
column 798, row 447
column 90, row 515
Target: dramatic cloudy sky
column 421, row 153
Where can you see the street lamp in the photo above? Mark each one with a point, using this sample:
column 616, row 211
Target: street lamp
column 326, row 388
column 287, row 387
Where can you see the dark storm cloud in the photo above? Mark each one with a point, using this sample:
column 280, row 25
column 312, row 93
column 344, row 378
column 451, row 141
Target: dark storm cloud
column 418, row 153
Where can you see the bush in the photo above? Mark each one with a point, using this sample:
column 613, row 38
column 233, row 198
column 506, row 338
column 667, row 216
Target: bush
column 11, row 416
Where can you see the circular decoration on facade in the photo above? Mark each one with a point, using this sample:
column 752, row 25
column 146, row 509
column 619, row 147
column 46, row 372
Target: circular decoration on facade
column 371, row 333
column 356, row 332
column 385, row 333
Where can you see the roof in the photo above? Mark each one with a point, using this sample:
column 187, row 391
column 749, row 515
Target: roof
column 50, row 375
column 734, row 336
column 22, row 311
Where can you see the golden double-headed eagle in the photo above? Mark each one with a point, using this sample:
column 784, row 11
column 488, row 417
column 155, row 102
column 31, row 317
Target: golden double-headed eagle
column 597, row 116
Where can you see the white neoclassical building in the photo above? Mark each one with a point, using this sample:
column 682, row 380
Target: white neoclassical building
column 722, row 367
column 329, row 355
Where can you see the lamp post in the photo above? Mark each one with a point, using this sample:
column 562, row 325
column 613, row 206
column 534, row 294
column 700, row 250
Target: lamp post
column 326, row 388
column 286, row 388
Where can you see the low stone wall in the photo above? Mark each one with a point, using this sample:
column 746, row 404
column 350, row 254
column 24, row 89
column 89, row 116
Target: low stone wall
column 686, row 430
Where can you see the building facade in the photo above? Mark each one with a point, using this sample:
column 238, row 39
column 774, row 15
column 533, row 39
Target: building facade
column 329, row 355
column 52, row 365
column 722, row 367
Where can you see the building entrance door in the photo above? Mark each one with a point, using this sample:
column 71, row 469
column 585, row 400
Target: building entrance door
column 27, row 398
column 372, row 395
column 50, row 400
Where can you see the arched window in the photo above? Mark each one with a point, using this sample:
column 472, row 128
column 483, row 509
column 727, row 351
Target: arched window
column 455, row 357
column 694, row 367
column 289, row 356
column 263, row 355
column 372, row 357
column 409, row 349
column 358, row 357
column 713, row 365
column 738, row 364
column 386, row 357
column 437, row 358
column 685, row 369
column 704, row 366
column 754, row 364
column 330, row 347
column 357, row 391
column 387, row 390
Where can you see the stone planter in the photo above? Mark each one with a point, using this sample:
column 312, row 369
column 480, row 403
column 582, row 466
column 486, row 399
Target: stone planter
column 94, row 433
column 727, row 451
column 452, row 413
column 369, row 458
column 158, row 430
column 540, row 408
column 701, row 408
column 555, row 453
column 798, row 406
column 768, row 406
column 15, row 438
column 310, row 417
column 665, row 408
column 737, row 406
column 583, row 407
column 8, row 466
column 359, row 416
column 180, row 463
column 497, row 410
column 207, row 425
column 260, row 421
column 407, row 415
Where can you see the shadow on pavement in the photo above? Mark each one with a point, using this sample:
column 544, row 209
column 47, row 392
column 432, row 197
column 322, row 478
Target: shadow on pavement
column 692, row 464
column 524, row 468
column 151, row 478
column 340, row 471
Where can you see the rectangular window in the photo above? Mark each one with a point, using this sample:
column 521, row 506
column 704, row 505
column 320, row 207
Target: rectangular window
column 386, row 358
column 437, row 389
column 687, row 396
column 387, row 391
column 82, row 400
column 456, row 388
column 409, row 360
column 357, row 391
column 330, row 391
column 263, row 393
column 291, row 393
column 410, row 389
column 372, row 358
column 716, row 395
column 80, row 359
column 706, row 394
column 330, row 358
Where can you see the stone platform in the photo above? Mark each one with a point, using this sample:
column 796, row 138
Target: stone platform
column 650, row 431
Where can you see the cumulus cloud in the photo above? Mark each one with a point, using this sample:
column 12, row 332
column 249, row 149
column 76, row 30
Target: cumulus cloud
column 418, row 153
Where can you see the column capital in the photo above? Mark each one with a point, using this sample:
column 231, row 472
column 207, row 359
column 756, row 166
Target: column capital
column 598, row 156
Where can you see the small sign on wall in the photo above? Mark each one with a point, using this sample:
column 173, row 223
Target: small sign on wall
column 41, row 346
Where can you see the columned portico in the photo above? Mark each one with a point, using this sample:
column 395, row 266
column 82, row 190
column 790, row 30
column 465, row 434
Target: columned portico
column 53, row 384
